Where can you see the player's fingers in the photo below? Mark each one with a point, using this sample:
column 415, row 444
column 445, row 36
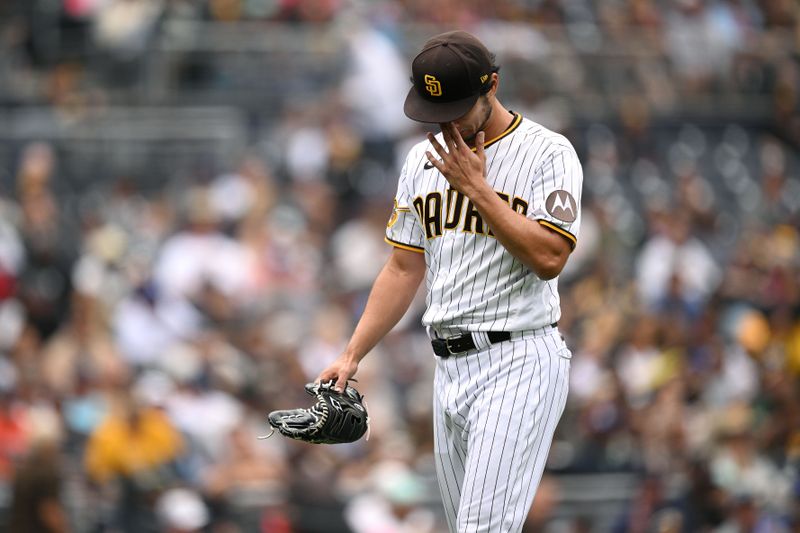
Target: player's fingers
column 330, row 374
column 458, row 140
column 479, row 140
column 447, row 133
column 342, row 378
column 454, row 139
column 436, row 146
column 340, row 384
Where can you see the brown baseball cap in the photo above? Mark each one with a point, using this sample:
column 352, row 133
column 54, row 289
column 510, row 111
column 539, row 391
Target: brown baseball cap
column 448, row 75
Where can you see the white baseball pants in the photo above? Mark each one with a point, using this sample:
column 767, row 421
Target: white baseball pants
column 495, row 412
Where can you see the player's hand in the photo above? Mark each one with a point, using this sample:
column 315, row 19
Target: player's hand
column 464, row 169
column 340, row 371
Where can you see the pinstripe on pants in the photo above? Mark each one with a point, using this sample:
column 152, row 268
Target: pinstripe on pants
column 495, row 412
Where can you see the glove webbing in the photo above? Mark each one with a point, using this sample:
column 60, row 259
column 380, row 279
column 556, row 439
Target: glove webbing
column 322, row 410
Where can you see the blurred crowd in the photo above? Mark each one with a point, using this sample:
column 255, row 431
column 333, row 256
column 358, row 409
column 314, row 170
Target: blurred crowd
column 145, row 332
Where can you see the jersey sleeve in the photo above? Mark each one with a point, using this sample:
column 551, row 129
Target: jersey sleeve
column 556, row 194
column 403, row 229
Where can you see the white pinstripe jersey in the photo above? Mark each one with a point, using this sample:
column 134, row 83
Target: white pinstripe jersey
column 473, row 282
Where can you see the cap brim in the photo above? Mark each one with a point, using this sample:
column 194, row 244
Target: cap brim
column 421, row 110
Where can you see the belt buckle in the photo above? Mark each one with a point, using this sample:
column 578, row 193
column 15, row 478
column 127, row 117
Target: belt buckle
column 441, row 347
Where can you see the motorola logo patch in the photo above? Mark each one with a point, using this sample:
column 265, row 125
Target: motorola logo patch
column 562, row 206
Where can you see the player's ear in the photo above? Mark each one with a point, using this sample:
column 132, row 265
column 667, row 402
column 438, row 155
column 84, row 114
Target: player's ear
column 495, row 82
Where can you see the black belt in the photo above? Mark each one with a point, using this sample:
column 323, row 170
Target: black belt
column 464, row 343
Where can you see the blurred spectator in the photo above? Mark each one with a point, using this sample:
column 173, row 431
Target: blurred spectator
column 637, row 362
column 746, row 516
column 248, row 482
column 82, row 350
column 205, row 414
column 702, row 504
column 45, row 279
column 394, row 505
column 376, row 64
column 544, row 506
column 122, row 30
column 675, row 267
column 181, row 511
column 700, row 38
column 132, row 452
column 646, row 509
column 739, row 469
column 357, row 249
column 37, row 500
column 201, row 255
column 14, row 437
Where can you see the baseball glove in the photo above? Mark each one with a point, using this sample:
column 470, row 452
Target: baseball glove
column 335, row 418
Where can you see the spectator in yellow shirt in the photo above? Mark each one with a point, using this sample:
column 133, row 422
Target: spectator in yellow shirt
column 135, row 447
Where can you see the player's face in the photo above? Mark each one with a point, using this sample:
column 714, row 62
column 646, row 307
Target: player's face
column 475, row 120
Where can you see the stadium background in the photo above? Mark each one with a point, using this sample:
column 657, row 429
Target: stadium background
column 192, row 203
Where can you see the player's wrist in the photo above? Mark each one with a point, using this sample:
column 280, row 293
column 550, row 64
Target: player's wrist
column 352, row 356
column 479, row 192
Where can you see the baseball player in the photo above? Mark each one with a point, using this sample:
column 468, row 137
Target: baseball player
column 487, row 211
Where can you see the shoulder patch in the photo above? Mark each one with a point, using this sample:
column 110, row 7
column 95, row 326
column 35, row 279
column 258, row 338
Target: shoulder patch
column 562, row 206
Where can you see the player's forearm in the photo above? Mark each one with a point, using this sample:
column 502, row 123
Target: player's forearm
column 391, row 295
column 534, row 245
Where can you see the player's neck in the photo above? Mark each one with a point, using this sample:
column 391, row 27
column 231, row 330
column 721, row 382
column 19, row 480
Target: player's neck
column 499, row 121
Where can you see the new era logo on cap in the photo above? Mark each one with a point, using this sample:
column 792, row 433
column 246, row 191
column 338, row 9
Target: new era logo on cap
column 562, row 205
